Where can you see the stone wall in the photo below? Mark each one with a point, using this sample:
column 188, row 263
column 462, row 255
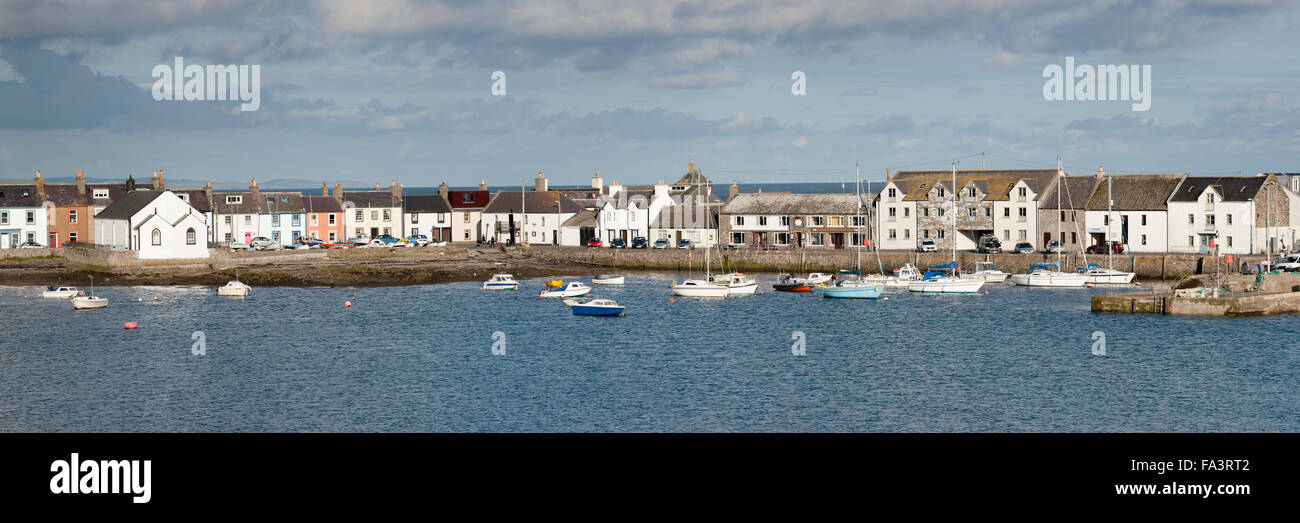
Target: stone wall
column 30, row 253
column 127, row 260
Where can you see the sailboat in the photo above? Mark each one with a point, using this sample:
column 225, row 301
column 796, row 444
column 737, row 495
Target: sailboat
column 856, row 288
column 1108, row 274
column 90, row 301
column 697, row 288
column 234, row 287
column 1049, row 274
column 937, row 282
column 610, row 279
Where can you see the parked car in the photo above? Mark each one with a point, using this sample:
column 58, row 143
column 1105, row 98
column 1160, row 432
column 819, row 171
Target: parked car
column 31, row 245
column 417, row 240
column 617, row 243
column 639, row 242
column 1025, row 248
column 307, row 242
column 661, row 243
column 236, row 245
column 927, row 246
column 1288, row 263
column 989, row 244
column 1054, row 247
column 1106, row 248
column 684, row 244
column 262, row 243
column 593, row 243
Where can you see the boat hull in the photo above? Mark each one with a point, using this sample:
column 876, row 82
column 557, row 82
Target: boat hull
column 501, row 286
column 59, row 294
column 946, row 286
column 88, row 302
column 1052, row 279
column 990, row 277
column 565, row 293
column 792, row 287
column 1116, row 277
column 856, row 291
column 587, row 310
column 699, row 291
column 613, row 280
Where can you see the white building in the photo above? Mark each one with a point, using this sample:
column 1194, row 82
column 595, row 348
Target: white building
column 1137, row 215
column 1231, row 214
column 895, row 215
column 1015, row 213
column 373, row 213
column 155, row 224
column 427, row 214
column 23, row 216
column 533, row 217
column 697, row 223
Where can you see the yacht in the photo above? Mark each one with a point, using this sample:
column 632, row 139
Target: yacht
column 501, row 282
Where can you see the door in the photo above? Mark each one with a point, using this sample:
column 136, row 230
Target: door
column 837, row 240
column 54, row 240
column 679, row 236
column 374, row 232
column 1047, row 238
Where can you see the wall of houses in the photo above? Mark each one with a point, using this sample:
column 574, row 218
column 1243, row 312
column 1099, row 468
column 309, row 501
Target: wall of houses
column 1192, row 224
column 896, row 225
column 22, row 224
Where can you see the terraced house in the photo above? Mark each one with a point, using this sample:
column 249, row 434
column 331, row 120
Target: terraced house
column 922, row 205
column 1129, row 208
column 23, row 216
column 467, row 212
column 324, row 217
column 372, row 213
column 787, row 220
column 1231, row 214
column 1063, row 210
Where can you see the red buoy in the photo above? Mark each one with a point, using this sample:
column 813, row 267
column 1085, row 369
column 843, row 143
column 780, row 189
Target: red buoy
column 130, row 325
column 347, row 305
column 672, row 300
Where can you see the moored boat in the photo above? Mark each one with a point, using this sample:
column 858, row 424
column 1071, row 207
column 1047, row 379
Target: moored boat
column 573, row 288
column 1042, row 275
column 598, row 307
column 790, row 283
column 234, row 288
column 61, row 292
column 853, row 289
column 89, row 302
column 737, row 284
column 939, row 283
column 609, row 279
column 986, row 272
column 1095, row 274
column 700, row 289
column 817, row 278
column 501, row 282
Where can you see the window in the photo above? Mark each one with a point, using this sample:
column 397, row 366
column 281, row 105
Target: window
column 971, row 192
column 388, row 230
column 906, row 212
column 275, row 220
column 893, row 192
column 941, row 233
column 296, row 236
column 1227, row 218
column 100, row 194
column 1006, row 212
column 360, row 232
column 1074, row 237
column 374, row 215
column 157, row 237
column 970, row 212
column 230, row 199
column 785, row 221
column 1105, row 220
column 467, row 198
column 190, row 237
column 942, row 212
column 737, row 238
column 297, row 220
column 925, row 234
column 248, row 219
column 332, row 236
column 817, row 239
column 72, row 216
column 818, row 221
column 331, row 220
column 859, row 221
column 1006, row 234
column 228, row 238
column 466, row 221
column 1024, row 213
column 31, row 217
column 781, row 238
column 185, row 197
column 893, row 235
column 907, row 233
column 415, row 217
column 1191, row 241
column 1229, row 241
column 1062, row 215
column 1144, row 239
column 1024, row 235
column 361, row 215
column 762, row 220
column 837, row 221
column 925, row 211
column 4, row 218
column 315, row 220
column 856, row 238
column 740, row 220
column 941, row 192
column 1144, row 221
column 1191, row 219
column 228, row 219
column 270, row 199
column 72, row 237
column 388, row 215
column 1023, row 192
column 892, row 213
column 1209, row 219
column 415, row 231
column 988, row 212
column 467, row 235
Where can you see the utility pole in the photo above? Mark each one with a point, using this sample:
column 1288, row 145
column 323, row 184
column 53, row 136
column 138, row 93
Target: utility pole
column 981, row 161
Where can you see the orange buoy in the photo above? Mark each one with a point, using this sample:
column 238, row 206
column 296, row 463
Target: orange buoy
column 347, row 305
column 130, row 325
column 672, row 300
column 986, row 292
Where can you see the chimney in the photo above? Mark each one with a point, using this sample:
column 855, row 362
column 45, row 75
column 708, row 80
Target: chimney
column 539, row 184
column 735, row 189
column 596, row 181
column 482, row 185
column 443, row 189
column 376, row 186
column 324, row 189
column 40, row 184
column 81, row 182
column 338, row 192
column 661, row 189
column 153, row 180
column 395, row 189
column 207, row 193
column 252, row 188
column 130, row 183
column 160, row 185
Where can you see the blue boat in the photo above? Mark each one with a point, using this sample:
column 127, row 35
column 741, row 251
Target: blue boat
column 853, row 289
column 598, row 307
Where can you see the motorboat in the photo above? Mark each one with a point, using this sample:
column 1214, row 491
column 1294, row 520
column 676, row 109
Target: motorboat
column 1097, row 274
column 234, row 288
column 89, row 302
column 853, row 289
column 1043, row 275
column 937, row 282
column 985, row 272
column 737, row 284
column 907, row 272
column 501, row 282
column 597, row 307
column 61, row 292
column 609, row 279
column 571, row 289
column 790, row 283
column 817, row 278
column 700, row 289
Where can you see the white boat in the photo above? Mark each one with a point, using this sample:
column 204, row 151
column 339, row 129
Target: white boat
column 700, row 289
column 984, row 271
column 61, row 292
column 817, row 278
column 737, row 284
column 89, row 302
column 1104, row 275
column 945, row 285
column 609, row 279
column 234, row 288
column 1041, row 275
column 571, row 289
column 501, row 282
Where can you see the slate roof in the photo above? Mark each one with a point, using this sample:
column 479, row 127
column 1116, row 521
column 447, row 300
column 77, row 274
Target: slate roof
column 790, row 203
column 582, row 219
column 995, row 183
column 537, row 201
column 427, row 203
column 1230, row 188
column 315, row 204
column 11, row 195
column 128, row 205
column 686, row 217
column 279, row 203
column 198, row 198
column 1077, row 191
column 1136, row 192
column 479, row 199
column 368, row 199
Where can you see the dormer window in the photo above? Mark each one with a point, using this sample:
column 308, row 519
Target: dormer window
column 284, row 199
column 234, row 200
column 100, row 194
column 467, row 198
column 25, row 193
column 184, row 197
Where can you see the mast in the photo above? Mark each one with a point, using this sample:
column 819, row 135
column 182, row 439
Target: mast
column 857, row 174
column 1060, row 235
column 1110, row 221
column 954, row 217
column 523, row 204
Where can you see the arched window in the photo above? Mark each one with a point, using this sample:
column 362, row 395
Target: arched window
column 157, row 237
column 189, row 236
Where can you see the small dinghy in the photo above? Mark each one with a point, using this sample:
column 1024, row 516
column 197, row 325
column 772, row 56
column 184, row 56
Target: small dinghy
column 598, row 307
column 608, row 279
column 61, row 292
column 234, row 288
column 501, row 282
column 571, row 289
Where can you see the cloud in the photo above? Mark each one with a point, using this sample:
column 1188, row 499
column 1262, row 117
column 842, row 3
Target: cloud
column 1001, row 60
column 800, row 142
column 908, row 143
column 886, row 125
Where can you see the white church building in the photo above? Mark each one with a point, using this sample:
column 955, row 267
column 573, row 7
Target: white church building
column 155, row 224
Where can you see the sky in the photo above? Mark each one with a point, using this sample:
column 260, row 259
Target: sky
column 402, row 90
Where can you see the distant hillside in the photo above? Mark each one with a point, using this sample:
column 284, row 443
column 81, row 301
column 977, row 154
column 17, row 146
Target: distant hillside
column 183, row 183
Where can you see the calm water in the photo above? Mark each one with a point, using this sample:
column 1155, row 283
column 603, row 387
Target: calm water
column 420, row 359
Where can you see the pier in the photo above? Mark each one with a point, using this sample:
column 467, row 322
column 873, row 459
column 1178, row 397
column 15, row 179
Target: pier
column 1239, row 296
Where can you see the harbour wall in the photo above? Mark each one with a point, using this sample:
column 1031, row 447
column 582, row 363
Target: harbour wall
column 1146, row 266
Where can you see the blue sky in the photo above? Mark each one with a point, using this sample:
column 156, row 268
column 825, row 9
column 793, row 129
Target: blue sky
column 394, row 89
